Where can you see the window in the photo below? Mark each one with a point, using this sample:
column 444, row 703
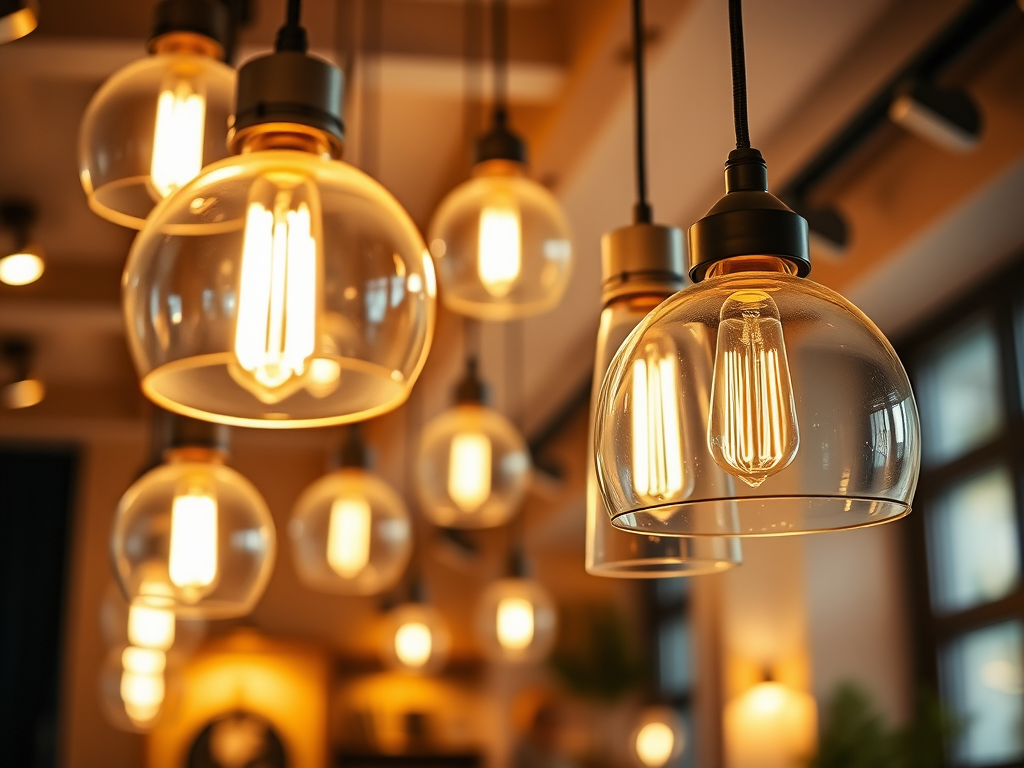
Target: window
column 966, row 368
column 669, row 601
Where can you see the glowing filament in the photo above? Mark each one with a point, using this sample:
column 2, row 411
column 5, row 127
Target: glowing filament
column 655, row 743
column 193, row 557
column 348, row 537
column 753, row 430
column 515, row 623
column 499, row 249
column 413, row 644
column 178, row 137
column 657, row 439
column 150, row 627
column 469, row 470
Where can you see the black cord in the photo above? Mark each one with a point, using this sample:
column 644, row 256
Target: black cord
column 642, row 213
column 294, row 12
column 292, row 36
column 499, row 45
column 739, row 75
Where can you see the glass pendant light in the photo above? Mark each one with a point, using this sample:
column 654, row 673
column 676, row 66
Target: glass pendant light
column 516, row 620
column 415, row 639
column 281, row 288
column 153, row 125
column 642, row 265
column 473, row 465
column 658, row 739
column 500, row 239
column 21, row 389
column 811, row 419
column 192, row 535
column 17, row 19
column 351, row 532
column 24, row 264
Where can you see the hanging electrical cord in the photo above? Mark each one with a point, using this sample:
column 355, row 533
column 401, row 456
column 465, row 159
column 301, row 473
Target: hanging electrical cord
column 642, row 213
column 499, row 51
column 292, row 36
column 739, row 74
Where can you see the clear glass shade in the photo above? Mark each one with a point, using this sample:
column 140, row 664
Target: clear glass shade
column 756, row 404
column 351, row 534
column 196, row 537
column 150, row 129
column 133, row 688
column 658, row 739
column 346, row 295
column 502, row 245
column 623, row 554
column 473, row 468
column 516, row 621
column 415, row 639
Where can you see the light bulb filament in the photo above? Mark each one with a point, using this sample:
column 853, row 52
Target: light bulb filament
column 413, row 644
column 656, row 430
column 469, row 470
column 193, row 549
column 515, row 623
column 348, row 537
column 499, row 249
column 178, row 136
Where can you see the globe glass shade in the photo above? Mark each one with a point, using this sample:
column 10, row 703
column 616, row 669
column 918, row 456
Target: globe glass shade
column 279, row 289
column 516, row 621
column 472, row 469
column 351, row 534
column 810, row 423
column 502, row 245
column 195, row 537
column 150, row 128
column 415, row 639
column 658, row 738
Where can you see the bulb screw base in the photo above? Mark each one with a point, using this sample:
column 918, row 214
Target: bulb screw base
column 642, row 259
column 747, row 221
column 206, row 18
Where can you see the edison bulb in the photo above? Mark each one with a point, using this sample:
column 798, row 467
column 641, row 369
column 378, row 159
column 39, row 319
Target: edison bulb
column 415, row 639
column 194, row 537
column 351, row 534
column 658, row 738
column 516, row 621
column 472, row 468
column 22, row 268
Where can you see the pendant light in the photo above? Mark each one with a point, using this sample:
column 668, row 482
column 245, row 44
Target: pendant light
column 20, row 388
column 193, row 535
column 17, row 19
column 500, row 239
column 415, row 638
column 642, row 265
column 282, row 288
column 516, row 620
column 24, row 263
column 153, row 125
column 811, row 422
column 658, row 738
column 351, row 532
column 473, row 465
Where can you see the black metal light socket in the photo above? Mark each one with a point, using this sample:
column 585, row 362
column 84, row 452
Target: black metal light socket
column 18, row 216
column 747, row 221
column 17, row 353
column 185, row 432
column 353, row 453
column 471, row 390
column 500, row 143
column 208, row 18
column 641, row 259
column 516, row 567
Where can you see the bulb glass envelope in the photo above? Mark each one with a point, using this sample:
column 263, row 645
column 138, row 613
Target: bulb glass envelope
column 150, row 128
column 516, row 621
column 502, row 245
column 843, row 452
column 415, row 639
column 195, row 537
column 351, row 534
column 216, row 335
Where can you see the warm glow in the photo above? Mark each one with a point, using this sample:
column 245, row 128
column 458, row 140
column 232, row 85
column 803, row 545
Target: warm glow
column 348, row 537
column 500, row 249
column 753, row 429
column 770, row 726
column 275, row 334
column 143, row 661
column 413, row 644
column 178, row 137
column 193, row 556
column 24, row 394
column 142, row 695
column 515, row 623
column 469, row 470
column 150, row 627
column 657, row 439
column 655, row 743
column 21, row 268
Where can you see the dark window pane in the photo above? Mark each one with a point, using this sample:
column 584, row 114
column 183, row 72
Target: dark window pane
column 674, row 650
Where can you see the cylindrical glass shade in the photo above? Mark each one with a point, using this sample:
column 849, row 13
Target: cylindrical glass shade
column 150, row 129
column 502, row 245
column 133, row 687
column 658, row 739
column 473, row 468
column 195, row 537
column 516, row 621
column 794, row 414
column 623, row 554
column 346, row 289
column 351, row 534
column 415, row 639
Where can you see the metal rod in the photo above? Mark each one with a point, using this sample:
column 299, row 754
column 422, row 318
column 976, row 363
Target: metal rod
column 642, row 211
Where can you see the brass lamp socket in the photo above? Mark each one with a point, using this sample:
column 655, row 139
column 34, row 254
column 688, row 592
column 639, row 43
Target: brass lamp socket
column 642, row 259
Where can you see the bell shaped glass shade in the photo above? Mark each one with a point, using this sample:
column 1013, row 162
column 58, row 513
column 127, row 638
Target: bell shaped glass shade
column 658, row 739
column 623, row 554
column 516, row 621
column 150, row 129
column 473, row 468
column 196, row 537
column 351, row 534
column 502, row 245
column 793, row 414
column 345, row 289
column 415, row 639
column 133, row 688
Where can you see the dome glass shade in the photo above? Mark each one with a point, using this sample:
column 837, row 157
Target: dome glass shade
column 473, row 468
column 196, row 537
column 149, row 129
column 415, row 639
column 516, row 621
column 345, row 286
column 624, row 554
column 502, row 245
column 794, row 414
column 351, row 534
